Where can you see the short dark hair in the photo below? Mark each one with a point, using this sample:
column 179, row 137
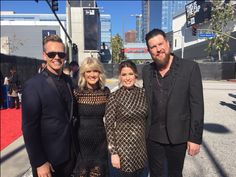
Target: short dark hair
column 52, row 38
column 154, row 33
column 129, row 64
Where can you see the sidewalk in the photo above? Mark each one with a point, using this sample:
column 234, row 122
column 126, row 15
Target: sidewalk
column 217, row 156
column 14, row 159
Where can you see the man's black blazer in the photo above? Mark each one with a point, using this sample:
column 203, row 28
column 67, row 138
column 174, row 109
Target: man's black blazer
column 185, row 108
column 45, row 121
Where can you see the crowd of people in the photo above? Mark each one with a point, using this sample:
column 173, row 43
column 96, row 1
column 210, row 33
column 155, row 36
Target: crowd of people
column 10, row 89
column 74, row 126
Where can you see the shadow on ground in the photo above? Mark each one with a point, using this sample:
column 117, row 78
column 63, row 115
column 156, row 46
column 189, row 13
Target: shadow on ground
column 216, row 128
column 220, row 170
column 232, row 95
column 230, row 105
column 10, row 154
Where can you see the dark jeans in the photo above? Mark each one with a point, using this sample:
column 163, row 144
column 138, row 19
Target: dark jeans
column 166, row 159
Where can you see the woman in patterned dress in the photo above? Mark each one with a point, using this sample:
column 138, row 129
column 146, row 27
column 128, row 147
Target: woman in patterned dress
column 92, row 97
column 125, row 118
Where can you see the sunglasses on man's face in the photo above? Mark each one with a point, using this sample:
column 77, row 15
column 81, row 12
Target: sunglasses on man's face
column 53, row 54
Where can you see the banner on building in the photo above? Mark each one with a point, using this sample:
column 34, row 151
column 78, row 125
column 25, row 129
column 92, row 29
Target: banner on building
column 197, row 12
column 91, row 29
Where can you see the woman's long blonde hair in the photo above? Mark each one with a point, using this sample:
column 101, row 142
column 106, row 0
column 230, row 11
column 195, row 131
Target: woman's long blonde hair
column 89, row 64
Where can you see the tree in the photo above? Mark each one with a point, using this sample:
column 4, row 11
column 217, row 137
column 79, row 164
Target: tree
column 221, row 17
column 11, row 45
column 116, row 46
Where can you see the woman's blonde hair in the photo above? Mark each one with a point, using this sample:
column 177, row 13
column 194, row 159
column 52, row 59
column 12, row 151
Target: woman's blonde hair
column 90, row 64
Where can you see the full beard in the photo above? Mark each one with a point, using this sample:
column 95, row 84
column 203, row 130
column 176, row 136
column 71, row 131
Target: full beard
column 162, row 63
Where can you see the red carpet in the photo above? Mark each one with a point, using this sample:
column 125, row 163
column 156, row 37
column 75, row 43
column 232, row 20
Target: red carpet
column 10, row 126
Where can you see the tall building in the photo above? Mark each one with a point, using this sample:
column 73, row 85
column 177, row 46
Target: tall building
column 159, row 14
column 105, row 52
column 138, row 27
column 105, row 29
column 84, row 20
column 130, row 36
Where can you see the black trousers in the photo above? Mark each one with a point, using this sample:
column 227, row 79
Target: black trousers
column 62, row 170
column 137, row 173
column 166, row 159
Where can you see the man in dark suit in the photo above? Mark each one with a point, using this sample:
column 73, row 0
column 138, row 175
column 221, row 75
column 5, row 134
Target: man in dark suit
column 47, row 110
column 174, row 92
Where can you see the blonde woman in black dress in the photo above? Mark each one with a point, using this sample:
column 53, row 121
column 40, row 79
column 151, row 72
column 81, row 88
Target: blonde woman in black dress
column 92, row 97
column 125, row 118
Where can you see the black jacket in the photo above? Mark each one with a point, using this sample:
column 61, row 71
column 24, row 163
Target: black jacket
column 45, row 121
column 185, row 108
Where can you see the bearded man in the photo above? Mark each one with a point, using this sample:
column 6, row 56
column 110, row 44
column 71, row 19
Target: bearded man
column 174, row 92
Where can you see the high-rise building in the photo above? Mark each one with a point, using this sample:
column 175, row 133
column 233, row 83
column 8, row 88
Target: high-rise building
column 138, row 27
column 130, row 36
column 105, row 52
column 159, row 14
column 105, row 29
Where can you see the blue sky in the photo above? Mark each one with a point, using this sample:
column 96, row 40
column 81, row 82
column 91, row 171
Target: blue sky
column 118, row 9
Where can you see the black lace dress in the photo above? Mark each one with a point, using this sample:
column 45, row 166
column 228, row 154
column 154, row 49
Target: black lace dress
column 93, row 157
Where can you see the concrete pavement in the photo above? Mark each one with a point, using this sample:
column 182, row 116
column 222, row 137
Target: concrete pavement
column 217, row 156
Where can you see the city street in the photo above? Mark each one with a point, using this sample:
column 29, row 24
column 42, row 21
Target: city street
column 217, row 156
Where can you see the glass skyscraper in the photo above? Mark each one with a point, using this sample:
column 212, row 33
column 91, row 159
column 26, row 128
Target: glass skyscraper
column 105, row 51
column 139, row 28
column 106, row 29
column 158, row 14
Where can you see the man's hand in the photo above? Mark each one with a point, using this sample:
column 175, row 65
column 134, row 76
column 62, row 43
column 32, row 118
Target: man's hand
column 45, row 170
column 193, row 148
column 115, row 161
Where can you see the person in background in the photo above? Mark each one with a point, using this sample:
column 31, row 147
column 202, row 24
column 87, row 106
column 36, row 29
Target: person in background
column 125, row 120
column 74, row 66
column 1, row 89
column 14, row 85
column 2, row 78
column 66, row 69
column 42, row 67
column 47, row 112
column 92, row 96
column 173, row 87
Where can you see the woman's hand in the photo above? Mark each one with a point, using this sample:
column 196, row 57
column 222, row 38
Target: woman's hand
column 115, row 161
column 45, row 170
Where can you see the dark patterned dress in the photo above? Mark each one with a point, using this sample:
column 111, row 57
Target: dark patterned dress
column 125, row 121
column 93, row 157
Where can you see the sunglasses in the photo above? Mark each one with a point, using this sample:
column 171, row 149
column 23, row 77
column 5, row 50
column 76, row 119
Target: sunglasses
column 53, row 54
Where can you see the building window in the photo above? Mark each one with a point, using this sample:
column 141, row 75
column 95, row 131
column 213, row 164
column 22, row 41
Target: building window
column 175, row 42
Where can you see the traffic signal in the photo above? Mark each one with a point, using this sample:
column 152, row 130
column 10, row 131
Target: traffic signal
column 122, row 53
column 194, row 30
column 55, row 5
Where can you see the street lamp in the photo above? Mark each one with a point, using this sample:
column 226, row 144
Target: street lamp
column 68, row 8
